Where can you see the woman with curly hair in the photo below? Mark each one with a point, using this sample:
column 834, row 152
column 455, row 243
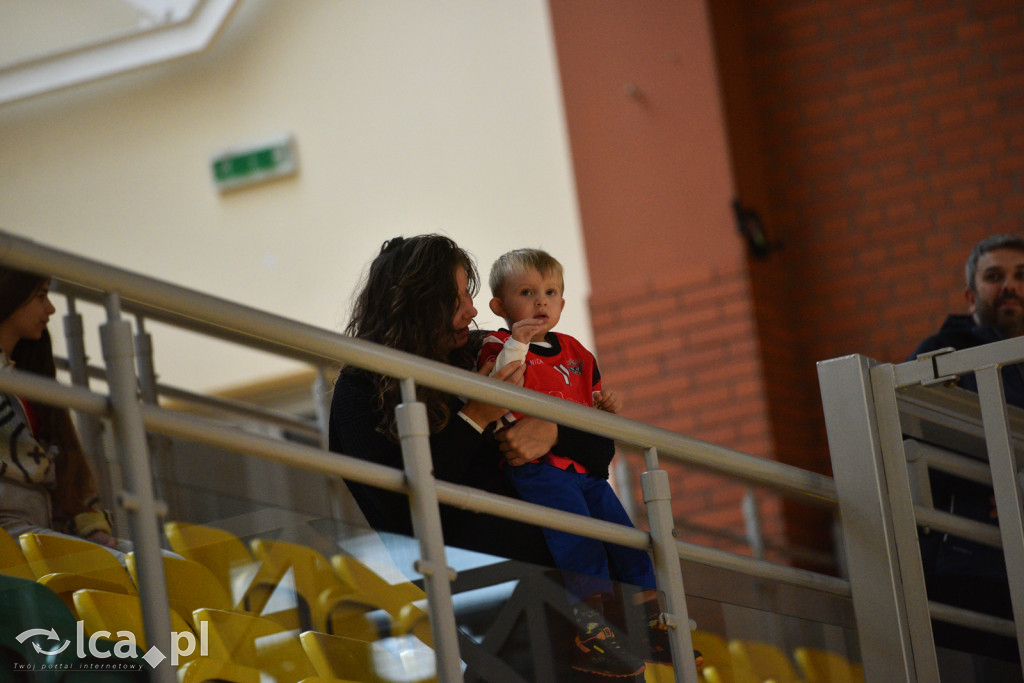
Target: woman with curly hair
column 418, row 297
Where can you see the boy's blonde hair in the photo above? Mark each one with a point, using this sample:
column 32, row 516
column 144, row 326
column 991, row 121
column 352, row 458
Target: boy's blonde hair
column 518, row 261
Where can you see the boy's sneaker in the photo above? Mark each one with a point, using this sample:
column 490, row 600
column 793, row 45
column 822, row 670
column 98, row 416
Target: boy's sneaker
column 598, row 651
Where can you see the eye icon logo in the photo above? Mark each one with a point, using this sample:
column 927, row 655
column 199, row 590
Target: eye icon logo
column 50, row 635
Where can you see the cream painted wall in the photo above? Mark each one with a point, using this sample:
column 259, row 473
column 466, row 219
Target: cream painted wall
column 409, row 117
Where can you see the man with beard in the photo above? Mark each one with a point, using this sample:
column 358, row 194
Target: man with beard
column 995, row 297
column 957, row 571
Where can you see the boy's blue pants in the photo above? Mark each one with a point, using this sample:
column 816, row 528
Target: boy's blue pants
column 595, row 561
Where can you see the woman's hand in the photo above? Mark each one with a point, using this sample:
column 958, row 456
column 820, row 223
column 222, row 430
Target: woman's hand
column 527, row 439
column 484, row 413
column 103, row 538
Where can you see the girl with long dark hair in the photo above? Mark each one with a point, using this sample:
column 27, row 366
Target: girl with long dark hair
column 45, row 482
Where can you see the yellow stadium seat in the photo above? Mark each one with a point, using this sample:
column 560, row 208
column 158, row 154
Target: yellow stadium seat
column 354, row 572
column 710, row 674
column 190, row 586
column 718, row 664
column 822, row 666
column 65, row 564
column 223, row 553
column 311, row 594
column 255, row 642
column 762, row 661
column 113, row 612
column 396, row 599
column 656, row 672
column 12, row 560
column 391, row 660
column 208, row 670
column 715, row 650
column 334, row 655
column 303, row 571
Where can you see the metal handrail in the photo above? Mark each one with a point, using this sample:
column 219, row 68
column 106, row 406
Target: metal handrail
column 300, row 341
column 126, row 291
column 193, row 428
column 214, row 405
column 217, row 404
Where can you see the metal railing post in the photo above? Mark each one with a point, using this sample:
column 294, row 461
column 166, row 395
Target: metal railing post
column 1006, row 483
column 623, row 479
column 144, row 362
column 159, row 446
column 898, row 493
column 414, row 434
column 322, row 395
column 343, row 505
column 138, row 498
column 875, row 581
column 90, row 430
column 752, row 523
column 667, row 568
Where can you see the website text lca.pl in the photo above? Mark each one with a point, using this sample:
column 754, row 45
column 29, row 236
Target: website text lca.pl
column 125, row 646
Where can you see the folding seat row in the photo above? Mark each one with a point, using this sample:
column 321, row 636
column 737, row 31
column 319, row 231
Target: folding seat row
column 218, row 571
column 12, row 560
column 241, row 648
column 822, row 666
column 95, row 588
column 298, row 587
column 262, row 644
column 747, row 661
column 252, row 597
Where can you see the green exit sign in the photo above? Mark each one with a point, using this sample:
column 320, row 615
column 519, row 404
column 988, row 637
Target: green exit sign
column 257, row 163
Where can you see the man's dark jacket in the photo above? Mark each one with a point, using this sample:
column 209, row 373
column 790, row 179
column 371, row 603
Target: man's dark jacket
column 958, row 571
column 961, row 332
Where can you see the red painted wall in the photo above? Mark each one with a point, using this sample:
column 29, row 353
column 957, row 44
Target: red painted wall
column 652, row 170
column 881, row 140
column 893, row 135
column 671, row 304
column 878, row 141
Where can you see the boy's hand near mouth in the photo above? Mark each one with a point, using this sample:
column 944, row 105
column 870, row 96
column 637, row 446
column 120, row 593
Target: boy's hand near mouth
column 525, row 330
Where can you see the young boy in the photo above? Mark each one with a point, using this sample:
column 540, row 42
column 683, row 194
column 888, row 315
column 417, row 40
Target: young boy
column 527, row 286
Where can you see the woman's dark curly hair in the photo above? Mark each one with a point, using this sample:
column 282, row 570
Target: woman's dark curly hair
column 407, row 301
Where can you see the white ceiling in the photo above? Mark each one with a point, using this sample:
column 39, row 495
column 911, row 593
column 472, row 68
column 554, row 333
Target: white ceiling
column 46, row 45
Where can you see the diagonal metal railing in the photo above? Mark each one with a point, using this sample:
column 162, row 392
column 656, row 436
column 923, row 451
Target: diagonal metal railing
column 874, row 412
column 209, row 315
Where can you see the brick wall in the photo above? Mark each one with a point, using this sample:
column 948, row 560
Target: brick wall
column 672, row 302
column 684, row 354
column 880, row 141
column 894, row 140
column 683, row 350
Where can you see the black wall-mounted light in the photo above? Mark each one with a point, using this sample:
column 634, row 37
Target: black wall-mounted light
column 752, row 227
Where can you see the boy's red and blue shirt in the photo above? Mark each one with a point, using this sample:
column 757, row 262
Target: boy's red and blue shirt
column 565, row 370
